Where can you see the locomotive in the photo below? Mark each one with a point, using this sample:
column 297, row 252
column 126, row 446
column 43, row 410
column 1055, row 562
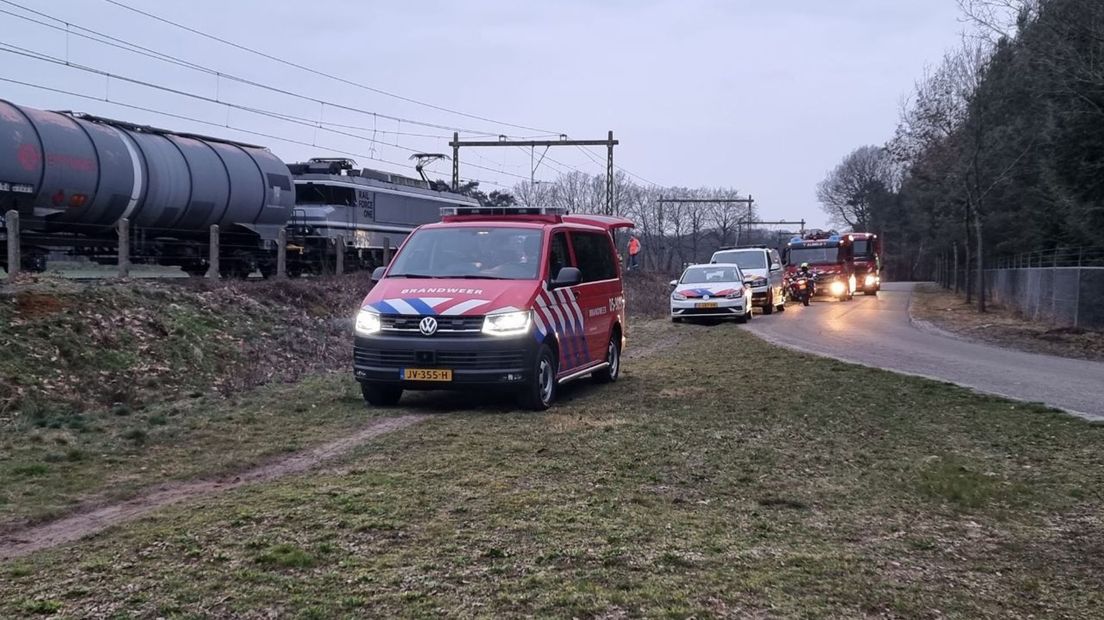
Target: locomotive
column 72, row 177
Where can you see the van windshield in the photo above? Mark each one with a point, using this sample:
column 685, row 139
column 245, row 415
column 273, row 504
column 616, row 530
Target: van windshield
column 746, row 259
column 499, row 253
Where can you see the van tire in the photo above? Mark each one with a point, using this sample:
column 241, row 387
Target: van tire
column 540, row 391
column 610, row 373
column 769, row 306
column 381, row 395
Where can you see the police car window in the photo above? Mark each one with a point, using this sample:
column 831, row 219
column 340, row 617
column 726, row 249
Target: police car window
column 558, row 256
column 746, row 259
column 709, row 275
column 594, row 253
column 498, row 253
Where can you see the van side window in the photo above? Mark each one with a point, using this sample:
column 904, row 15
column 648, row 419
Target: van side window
column 594, row 251
column 558, row 256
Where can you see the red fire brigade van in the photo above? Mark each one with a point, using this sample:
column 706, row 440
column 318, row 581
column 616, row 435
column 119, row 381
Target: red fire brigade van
column 866, row 255
column 829, row 256
column 518, row 298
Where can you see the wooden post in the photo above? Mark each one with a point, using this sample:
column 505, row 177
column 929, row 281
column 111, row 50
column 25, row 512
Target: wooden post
column 281, row 254
column 124, row 248
column 14, row 256
column 213, row 260
column 386, row 251
column 340, row 243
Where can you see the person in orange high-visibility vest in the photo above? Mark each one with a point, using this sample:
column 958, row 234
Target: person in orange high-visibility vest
column 634, row 252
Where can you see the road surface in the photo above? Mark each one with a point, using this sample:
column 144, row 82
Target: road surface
column 876, row 331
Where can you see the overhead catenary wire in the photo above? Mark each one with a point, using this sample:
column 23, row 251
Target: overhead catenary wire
column 193, row 119
column 167, row 58
column 325, row 74
column 14, row 49
column 109, row 40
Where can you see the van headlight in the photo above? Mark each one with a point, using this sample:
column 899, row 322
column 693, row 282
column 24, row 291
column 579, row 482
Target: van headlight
column 368, row 322
column 870, row 280
column 507, row 323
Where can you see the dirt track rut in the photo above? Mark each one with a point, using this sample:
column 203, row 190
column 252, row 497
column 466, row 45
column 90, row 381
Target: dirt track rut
column 86, row 523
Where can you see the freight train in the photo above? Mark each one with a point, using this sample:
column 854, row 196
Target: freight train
column 73, row 177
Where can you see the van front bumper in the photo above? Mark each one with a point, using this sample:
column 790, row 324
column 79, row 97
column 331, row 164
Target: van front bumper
column 475, row 360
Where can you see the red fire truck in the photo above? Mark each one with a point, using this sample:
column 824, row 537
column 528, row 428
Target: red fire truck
column 831, row 261
column 867, row 259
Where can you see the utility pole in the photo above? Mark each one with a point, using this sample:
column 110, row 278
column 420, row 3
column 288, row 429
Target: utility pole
column 609, row 143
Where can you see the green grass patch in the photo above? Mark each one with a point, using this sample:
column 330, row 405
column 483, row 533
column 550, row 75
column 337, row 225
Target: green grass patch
column 48, row 469
column 676, row 492
column 287, row 556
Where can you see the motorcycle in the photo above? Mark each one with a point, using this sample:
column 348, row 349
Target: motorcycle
column 801, row 288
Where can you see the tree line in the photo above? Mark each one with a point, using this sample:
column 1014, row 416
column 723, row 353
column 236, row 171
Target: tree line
column 671, row 234
column 999, row 148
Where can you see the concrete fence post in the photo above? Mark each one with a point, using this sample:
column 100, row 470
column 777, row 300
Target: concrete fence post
column 124, row 248
column 14, row 256
column 213, row 259
column 281, row 254
column 340, row 243
column 386, row 251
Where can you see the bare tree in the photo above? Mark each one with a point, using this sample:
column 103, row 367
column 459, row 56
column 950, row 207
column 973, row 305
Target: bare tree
column 849, row 191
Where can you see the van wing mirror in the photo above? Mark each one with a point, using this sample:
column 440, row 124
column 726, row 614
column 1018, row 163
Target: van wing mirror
column 776, row 266
column 377, row 273
column 568, row 276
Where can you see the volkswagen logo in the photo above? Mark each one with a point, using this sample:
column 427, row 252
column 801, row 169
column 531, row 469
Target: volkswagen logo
column 428, row 326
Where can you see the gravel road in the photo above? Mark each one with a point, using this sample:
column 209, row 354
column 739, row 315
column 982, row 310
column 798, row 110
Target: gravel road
column 877, row 331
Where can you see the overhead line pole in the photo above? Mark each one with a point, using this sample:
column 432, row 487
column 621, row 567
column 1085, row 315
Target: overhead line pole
column 609, row 143
column 749, row 201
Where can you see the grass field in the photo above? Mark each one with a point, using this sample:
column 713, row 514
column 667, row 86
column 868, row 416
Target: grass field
column 720, row 477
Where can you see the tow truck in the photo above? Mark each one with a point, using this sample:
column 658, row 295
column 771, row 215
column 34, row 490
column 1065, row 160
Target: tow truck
column 867, row 260
column 830, row 256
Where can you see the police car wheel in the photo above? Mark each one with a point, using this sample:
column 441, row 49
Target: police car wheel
column 540, row 392
column 381, row 395
column 610, row 373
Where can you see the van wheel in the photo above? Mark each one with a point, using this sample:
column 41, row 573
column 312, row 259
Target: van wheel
column 381, row 395
column 540, row 392
column 610, row 373
column 769, row 308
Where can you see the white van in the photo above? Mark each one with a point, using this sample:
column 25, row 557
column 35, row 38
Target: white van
column 765, row 266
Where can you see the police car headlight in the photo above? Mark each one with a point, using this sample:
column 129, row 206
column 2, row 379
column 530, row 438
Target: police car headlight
column 735, row 294
column 507, row 323
column 678, row 296
column 367, row 322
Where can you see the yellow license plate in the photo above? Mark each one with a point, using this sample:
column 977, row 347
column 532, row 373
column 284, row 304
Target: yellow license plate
column 706, row 304
column 427, row 374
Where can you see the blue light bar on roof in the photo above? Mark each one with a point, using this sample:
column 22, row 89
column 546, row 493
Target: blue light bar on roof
column 503, row 211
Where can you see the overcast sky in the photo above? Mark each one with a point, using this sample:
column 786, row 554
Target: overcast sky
column 764, row 97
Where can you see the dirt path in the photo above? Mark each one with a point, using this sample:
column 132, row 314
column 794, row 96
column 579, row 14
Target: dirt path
column 86, row 523
column 649, row 337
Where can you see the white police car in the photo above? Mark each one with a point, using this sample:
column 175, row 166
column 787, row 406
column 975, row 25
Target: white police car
column 715, row 291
